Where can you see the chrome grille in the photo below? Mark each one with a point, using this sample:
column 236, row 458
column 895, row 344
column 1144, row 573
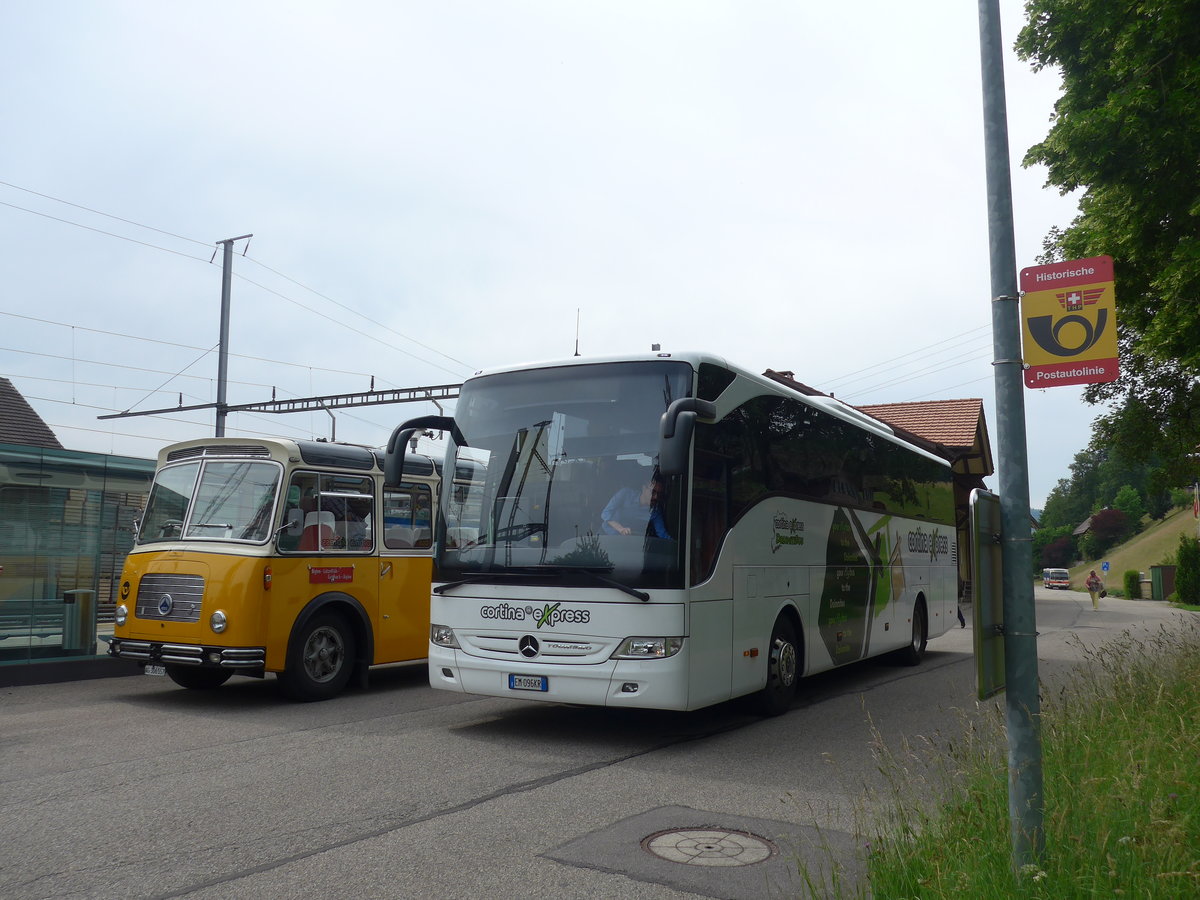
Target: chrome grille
column 170, row 598
column 231, row 450
column 567, row 650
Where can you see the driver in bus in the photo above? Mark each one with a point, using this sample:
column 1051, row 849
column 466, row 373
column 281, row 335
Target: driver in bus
column 635, row 511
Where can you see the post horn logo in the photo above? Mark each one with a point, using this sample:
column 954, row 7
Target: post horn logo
column 1045, row 330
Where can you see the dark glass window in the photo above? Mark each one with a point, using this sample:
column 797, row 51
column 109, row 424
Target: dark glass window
column 779, row 446
column 408, row 517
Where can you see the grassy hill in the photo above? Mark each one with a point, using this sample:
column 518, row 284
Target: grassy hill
column 1155, row 546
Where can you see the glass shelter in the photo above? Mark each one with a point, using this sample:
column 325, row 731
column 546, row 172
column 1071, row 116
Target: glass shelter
column 66, row 524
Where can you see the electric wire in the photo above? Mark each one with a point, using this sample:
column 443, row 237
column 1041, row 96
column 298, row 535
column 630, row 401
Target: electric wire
column 283, row 423
column 102, row 231
column 181, row 237
column 134, row 337
column 932, row 368
column 855, row 375
column 839, row 382
column 372, row 337
column 249, row 281
column 357, row 313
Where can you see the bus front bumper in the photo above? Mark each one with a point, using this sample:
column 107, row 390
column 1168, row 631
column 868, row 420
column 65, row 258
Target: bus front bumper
column 240, row 659
column 648, row 684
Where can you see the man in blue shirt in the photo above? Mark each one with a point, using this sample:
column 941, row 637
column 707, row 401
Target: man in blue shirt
column 631, row 509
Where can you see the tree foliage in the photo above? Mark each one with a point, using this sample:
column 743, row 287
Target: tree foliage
column 1058, row 554
column 1129, row 501
column 1124, row 133
column 1110, row 526
column 1187, row 572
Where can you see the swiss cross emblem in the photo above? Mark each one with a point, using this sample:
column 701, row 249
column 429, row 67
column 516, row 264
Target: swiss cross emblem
column 1074, row 301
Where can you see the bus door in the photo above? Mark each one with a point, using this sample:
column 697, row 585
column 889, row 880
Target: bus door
column 327, row 545
column 405, row 570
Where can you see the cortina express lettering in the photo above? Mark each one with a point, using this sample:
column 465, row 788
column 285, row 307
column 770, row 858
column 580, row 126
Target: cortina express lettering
column 550, row 614
column 921, row 541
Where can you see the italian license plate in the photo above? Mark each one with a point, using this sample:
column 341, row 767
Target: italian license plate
column 155, row 670
column 528, row 683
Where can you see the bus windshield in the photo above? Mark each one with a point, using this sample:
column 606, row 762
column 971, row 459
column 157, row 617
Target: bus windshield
column 566, row 479
column 217, row 500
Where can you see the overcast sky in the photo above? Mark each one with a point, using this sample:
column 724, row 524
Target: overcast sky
column 435, row 188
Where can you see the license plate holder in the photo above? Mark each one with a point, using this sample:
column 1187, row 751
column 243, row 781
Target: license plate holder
column 152, row 669
column 528, row 683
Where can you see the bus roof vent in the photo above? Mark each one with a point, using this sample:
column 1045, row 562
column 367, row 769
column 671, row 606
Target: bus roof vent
column 222, row 450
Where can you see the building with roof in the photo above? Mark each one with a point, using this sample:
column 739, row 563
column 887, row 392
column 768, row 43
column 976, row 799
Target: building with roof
column 957, row 431
column 19, row 424
column 66, row 524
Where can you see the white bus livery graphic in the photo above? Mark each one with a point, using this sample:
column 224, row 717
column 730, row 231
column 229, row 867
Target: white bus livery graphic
column 670, row 531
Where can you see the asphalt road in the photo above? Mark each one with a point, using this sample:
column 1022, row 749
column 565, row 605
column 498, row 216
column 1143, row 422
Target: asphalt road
column 132, row 787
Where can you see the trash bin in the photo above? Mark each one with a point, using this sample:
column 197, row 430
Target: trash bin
column 79, row 620
column 1162, row 582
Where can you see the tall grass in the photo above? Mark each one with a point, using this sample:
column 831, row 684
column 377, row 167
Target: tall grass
column 1121, row 765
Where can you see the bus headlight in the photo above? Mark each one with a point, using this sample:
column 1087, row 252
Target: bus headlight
column 120, row 614
column 217, row 622
column 648, row 648
column 443, row 636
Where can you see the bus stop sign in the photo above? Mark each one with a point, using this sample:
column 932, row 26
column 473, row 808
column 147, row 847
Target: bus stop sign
column 1069, row 323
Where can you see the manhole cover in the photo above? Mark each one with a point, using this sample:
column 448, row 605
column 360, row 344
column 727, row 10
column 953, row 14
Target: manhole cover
column 709, row 847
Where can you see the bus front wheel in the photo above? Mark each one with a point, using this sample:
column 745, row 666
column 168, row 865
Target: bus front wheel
column 198, row 679
column 915, row 651
column 783, row 670
column 320, row 660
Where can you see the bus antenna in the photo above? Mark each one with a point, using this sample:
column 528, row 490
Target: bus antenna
column 577, row 331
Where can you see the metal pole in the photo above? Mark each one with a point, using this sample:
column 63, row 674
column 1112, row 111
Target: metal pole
column 1026, row 797
column 223, row 352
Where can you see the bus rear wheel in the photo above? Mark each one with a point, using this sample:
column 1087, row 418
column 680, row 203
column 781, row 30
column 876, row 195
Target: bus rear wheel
column 198, row 679
column 320, row 660
column 783, row 670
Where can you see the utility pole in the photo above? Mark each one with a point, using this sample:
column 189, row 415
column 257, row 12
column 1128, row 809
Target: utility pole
column 1026, row 795
column 223, row 352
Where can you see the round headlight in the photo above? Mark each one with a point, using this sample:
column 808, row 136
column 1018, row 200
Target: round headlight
column 217, row 622
column 120, row 614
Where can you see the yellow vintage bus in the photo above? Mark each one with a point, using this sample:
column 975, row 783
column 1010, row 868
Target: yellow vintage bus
column 271, row 555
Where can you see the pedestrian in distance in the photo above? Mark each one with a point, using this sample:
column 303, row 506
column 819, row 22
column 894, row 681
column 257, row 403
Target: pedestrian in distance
column 1095, row 587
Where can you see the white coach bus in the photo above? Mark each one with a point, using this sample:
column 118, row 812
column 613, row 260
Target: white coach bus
column 669, row 531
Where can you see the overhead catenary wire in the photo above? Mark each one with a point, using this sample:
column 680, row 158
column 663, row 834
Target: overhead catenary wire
column 840, row 383
column 135, row 337
column 859, row 374
column 932, row 369
column 98, row 212
column 282, row 423
column 241, row 277
column 356, row 312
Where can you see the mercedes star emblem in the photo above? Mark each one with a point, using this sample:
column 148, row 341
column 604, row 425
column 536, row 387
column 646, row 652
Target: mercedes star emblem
column 528, row 645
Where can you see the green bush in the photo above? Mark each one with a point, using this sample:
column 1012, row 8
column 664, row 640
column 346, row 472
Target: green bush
column 1133, row 584
column 1187, row 573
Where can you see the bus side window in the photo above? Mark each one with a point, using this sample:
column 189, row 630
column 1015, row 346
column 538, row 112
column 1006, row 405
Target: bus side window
column 408, row 517
column 293, row 515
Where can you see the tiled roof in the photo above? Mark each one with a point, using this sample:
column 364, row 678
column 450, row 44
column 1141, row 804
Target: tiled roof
column 19, row 424
column 952, row 423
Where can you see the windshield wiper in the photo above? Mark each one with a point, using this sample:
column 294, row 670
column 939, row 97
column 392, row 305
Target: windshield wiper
column 596, row 576
column 611, row 582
